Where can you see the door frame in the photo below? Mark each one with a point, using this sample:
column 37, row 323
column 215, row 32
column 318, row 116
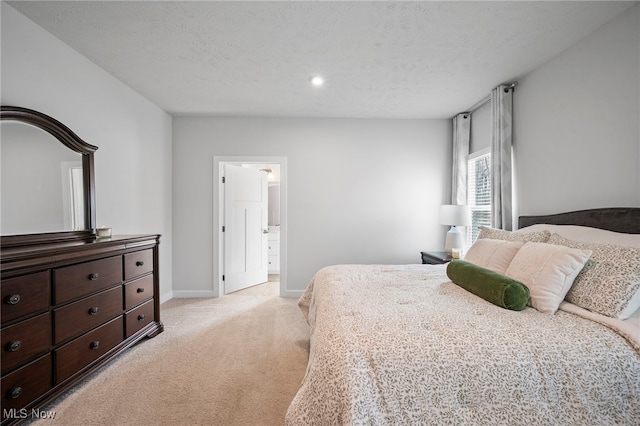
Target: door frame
column 218, row 214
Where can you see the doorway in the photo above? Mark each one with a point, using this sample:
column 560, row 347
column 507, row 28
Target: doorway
column 277, row 217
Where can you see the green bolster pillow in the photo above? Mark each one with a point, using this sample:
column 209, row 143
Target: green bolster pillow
column 491, row 286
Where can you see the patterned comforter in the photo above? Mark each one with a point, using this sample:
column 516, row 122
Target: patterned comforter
column 402, row 345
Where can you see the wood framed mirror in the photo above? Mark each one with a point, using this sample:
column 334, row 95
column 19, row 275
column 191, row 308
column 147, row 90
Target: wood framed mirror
column 48, row 187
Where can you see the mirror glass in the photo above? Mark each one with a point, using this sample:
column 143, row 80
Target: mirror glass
column 41, row 182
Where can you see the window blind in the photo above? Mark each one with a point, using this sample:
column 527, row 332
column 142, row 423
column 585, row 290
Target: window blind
column 478, row 193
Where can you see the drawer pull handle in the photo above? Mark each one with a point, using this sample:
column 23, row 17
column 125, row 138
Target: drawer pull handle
column 13, row 346
column 140, row 317
column 15, row 393
column 95, row 345
column 94, row 310
column 140, row 290
column 139, row 263
column 12, row 299
column 93, row 276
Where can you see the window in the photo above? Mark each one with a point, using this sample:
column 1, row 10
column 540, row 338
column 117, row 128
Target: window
column 478, row 192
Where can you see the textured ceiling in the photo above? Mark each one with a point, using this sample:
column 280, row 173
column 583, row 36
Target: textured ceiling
column 379, row 59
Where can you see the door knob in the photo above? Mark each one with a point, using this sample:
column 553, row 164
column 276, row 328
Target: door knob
column 265, row 231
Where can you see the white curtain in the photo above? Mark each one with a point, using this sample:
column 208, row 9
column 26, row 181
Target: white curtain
column 501, row 166
column 461, row 136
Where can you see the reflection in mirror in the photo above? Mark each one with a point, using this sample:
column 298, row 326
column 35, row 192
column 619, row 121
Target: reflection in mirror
column 41, row 182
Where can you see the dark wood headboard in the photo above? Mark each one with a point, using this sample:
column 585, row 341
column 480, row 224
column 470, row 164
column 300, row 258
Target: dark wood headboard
column 617, row 219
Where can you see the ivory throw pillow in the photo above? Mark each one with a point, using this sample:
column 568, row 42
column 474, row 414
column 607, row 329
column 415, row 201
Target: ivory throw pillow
column 548, row 271
column 495, row 255
column 609, row 284
column 500, row 234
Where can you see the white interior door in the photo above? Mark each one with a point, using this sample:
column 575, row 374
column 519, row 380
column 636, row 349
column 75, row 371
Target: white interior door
column 245, row 228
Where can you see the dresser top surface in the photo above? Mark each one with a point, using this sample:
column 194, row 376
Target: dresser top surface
column 54, row 252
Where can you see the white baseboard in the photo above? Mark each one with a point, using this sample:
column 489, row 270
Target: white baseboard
column 165, row 297
column 188, row 294
column 292, row 293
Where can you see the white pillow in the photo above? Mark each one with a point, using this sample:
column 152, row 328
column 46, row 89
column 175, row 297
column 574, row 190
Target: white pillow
column 587, row 234
column 495, row 255
column 548, row 270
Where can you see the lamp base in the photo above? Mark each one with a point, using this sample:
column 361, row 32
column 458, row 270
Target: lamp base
column 454, row 239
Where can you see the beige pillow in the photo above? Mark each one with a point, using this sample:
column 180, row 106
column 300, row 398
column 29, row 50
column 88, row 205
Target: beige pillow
column 609, row 284
column 548, row 270
column 500, row 234
column 495, row 255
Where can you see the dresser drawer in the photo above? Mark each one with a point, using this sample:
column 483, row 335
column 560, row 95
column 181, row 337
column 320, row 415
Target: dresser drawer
column 26, row 384
column 138, row 263
column 85, row 314
column 25, row 340
column 77, row 280
column 24, row 295
column 138, row 291
column 77, row 354
column 138, row 318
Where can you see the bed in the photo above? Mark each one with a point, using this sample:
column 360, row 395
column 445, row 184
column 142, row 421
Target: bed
column 403, row 344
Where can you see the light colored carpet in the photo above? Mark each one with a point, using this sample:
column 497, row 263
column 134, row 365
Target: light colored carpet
column 236, row 360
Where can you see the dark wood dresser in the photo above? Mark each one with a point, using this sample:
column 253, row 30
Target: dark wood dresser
column 69, row 307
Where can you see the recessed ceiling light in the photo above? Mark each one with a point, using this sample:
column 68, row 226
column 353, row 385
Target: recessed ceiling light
column 317, row 81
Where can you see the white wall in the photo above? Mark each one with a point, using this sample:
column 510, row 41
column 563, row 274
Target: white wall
column 576, row 131
column 133, row 161
column 359, row 191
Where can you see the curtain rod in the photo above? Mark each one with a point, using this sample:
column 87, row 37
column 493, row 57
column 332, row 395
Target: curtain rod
column 483, row 101
column 487, row 99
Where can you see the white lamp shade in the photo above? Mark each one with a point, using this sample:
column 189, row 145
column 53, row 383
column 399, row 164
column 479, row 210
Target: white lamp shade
column 454, row 215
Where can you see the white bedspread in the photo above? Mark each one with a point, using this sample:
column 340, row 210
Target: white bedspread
column 394, row 345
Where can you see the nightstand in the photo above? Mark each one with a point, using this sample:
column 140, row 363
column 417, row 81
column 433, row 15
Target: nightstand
column 435, row 257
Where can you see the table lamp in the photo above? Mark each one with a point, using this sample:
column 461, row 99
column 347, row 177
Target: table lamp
column 454, row 215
